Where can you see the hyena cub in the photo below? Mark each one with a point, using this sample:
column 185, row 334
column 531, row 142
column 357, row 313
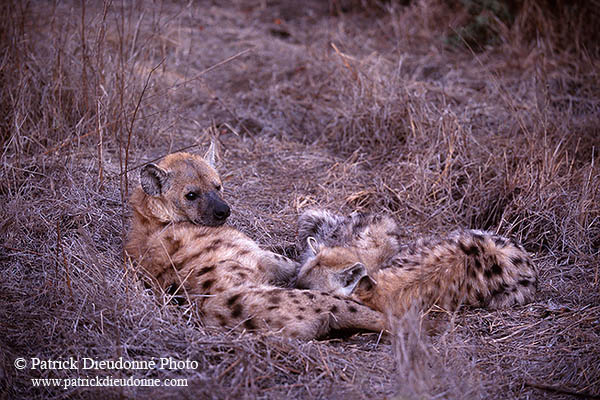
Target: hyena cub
column 179, row 237
column 469, row 267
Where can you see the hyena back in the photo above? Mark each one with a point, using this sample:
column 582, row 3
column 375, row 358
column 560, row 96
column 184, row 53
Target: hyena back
column 179, row 237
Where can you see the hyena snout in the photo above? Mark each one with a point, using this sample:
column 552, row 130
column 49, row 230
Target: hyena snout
column 218, row 210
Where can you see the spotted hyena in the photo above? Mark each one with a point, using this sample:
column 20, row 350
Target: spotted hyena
column 179, row 237
column 360, row 257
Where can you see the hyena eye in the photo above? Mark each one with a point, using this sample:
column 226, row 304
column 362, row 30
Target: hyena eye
column 191, row 196
column 218, row 187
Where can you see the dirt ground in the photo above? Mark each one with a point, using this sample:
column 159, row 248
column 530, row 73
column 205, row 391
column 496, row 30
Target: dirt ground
column 439, row 113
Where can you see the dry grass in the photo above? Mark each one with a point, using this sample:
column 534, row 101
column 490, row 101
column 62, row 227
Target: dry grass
column 389, row 119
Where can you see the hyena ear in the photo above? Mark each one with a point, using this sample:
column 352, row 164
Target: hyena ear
column 351, row 277
column 313, row 245
column 365, row 285
column 211, row 156
column 154, row 180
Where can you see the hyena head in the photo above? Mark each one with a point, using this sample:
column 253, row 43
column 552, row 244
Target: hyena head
column 337, row 270
column 186, row 187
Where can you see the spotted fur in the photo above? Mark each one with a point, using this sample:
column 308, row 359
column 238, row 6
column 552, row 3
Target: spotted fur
column 358, row 230
column 468, row 267
column 184, row 245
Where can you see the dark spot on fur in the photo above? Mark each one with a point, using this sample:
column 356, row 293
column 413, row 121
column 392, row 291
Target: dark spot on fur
column 231, row 301
column 242, row 275
column 210, row 248
column 525, row 282
column 318, row 310
column 174, row 244
column 498, row 291
column 325, row 294
column 296, row 301
column 249, row 324
column 222, row 319
column 205, row 270
column 271, row 308
column 219, row 289
column 267, row 321
column 334, row 309
column 275, row 299
column 237, row 310
column 470, row 251
column 516, row 260
column 207, row 284
column 292, row 295
column 352, row 309
column 199, row 234
column 299, row 317
column 302, row 309
column 480, row 298
column 242, row 253
column 496, row 269
column 309, row 295
column 471, row 271
column 335, row 296
column 478, row 264
column 179, row 265
column 216, row 242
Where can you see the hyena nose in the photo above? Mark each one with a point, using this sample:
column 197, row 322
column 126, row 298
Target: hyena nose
column 221, row 212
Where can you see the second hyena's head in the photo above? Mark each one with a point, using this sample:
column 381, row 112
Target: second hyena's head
column 185, row 187
column 338, row 270
column 358, row 230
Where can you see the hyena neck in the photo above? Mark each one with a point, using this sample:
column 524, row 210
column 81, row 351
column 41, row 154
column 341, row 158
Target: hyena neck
column 149, row 212
column 369, row 297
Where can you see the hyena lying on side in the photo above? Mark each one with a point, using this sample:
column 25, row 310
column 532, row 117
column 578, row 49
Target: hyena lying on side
column 179, row 238
column 359, row 257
